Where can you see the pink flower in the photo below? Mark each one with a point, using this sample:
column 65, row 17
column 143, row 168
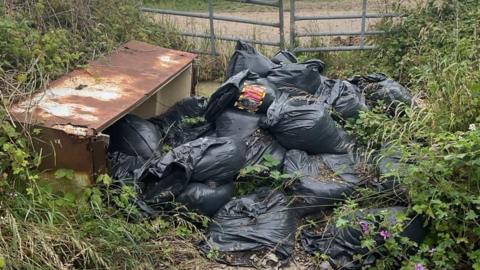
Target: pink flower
column 385, row 234
column 419, row 266
column 364, row 226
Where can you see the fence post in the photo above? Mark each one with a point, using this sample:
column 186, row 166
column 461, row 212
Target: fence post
column 292, row 25
column 364, row 21
column 281, row 23
column 212, row 28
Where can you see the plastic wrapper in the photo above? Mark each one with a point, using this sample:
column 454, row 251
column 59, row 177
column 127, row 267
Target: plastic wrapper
column 245, row 90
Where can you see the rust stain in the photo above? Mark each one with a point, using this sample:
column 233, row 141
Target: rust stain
column 94, row 97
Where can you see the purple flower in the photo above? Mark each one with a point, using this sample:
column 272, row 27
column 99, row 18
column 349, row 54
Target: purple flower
column 385, row 234
column 364, row 226
column 419, row 266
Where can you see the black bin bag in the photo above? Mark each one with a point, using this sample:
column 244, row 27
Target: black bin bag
column 245, row 91
column 220, row 163
column 260, row 144
column 183, row 122
column 378, row 86
column 123, row 166
column 257, row 224
column 236, row 124
column 304, row 125
column 343, row 245
column 162, row 179
column 320, row 181
column 206, row 198
column 346, row 99
column 305, row 76
column 247, row 57
column 284, row 57
column 134, row 136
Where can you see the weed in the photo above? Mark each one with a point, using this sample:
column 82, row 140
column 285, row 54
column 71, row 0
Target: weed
column 261, row 175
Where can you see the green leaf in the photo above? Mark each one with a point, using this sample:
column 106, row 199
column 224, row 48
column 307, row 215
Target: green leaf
column 270, row 161
column 471, row 215
column 68, row 174
column 2, row 262
column 104, row 179
column 368, row 243
column 183, row 231
column 341, row 222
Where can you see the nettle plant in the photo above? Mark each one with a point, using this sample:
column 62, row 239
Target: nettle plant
column 444, row 186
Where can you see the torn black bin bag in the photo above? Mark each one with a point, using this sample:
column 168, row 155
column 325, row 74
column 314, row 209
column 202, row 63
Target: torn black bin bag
column 305, row 76
column 123, row 166
column 261, row 143
column 247, row 57
column 346, row 99
column 214, row 159
column 183, row 122
column 342, row 245
column 378, row 86
column 220, row 163
column 321, row 181
column 260, row 223
column 236, row 124
column 134, row 136
column 245, row 91
column 206, row 198
column 284, row 57
column 304, row 125
column 187, row 107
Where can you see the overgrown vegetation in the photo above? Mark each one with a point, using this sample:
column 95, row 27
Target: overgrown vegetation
column 39, row 41
column 434, row 50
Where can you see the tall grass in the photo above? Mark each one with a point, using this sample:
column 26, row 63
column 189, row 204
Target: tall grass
column 59, row 232
column 435, row 51
column 39, row 41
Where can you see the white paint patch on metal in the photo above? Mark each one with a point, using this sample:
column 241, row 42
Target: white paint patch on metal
column 74, row 130
column 60, row 101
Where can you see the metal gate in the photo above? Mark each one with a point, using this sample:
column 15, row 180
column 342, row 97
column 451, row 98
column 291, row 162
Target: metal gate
column 212, row 18
column 362, row 32
column 279, row 25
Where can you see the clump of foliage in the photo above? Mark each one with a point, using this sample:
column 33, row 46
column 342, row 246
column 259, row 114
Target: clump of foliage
column 40, row 40
column 40, row 229
column 435, row 51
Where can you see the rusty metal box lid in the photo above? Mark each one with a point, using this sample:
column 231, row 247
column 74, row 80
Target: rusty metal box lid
column 93, row 98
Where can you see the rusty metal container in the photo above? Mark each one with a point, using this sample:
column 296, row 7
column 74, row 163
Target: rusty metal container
column 73, row 111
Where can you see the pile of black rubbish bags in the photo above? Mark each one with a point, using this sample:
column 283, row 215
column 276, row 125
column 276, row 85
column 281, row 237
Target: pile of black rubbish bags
column 193, row 153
